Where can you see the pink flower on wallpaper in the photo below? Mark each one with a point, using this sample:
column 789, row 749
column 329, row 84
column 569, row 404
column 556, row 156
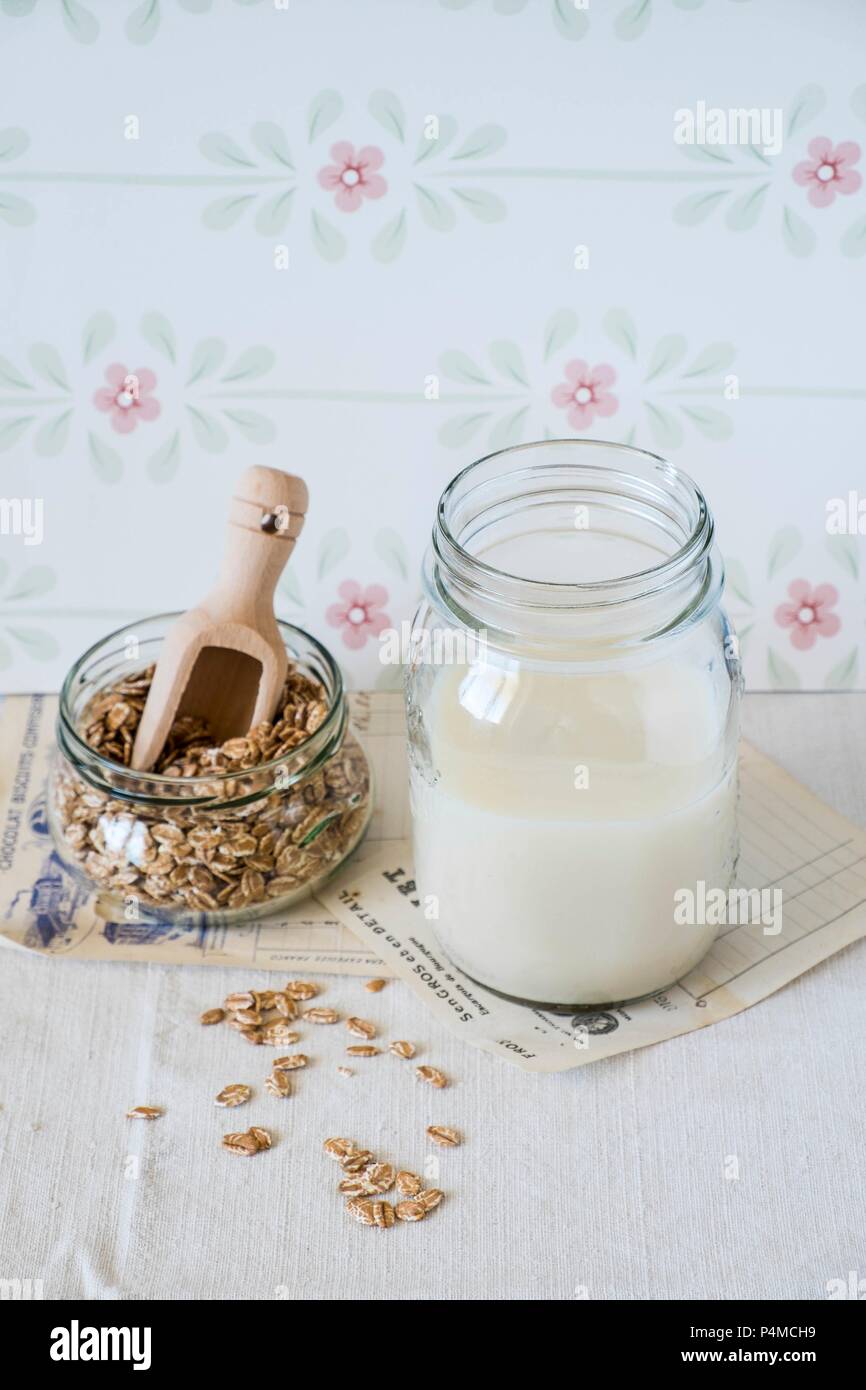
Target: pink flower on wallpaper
column 807, row 615
column 584, row 393
column 353, row 176
column 828, row 171
column 127, row 397
column 358, row 614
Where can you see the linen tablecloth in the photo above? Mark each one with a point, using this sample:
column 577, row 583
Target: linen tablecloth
column 726, row 1163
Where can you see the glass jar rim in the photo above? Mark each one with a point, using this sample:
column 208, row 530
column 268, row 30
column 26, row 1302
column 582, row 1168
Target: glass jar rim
column 453, row 553
column 330, row 731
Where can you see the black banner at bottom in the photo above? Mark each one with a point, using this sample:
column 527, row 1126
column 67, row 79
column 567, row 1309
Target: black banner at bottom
column 83, row 1339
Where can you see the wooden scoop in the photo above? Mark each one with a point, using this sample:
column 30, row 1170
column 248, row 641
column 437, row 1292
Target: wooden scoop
column 225, row 660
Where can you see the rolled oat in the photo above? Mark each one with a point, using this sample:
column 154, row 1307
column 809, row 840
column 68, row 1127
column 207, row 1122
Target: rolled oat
column 236, row 1094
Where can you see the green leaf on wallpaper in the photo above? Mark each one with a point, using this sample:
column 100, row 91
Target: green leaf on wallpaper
column 256, row 428
column 159, row 334
column 858, row 102
column 782, row 674
column 325, row 108
column 289, row 587
column 330, row 244
column 437, row 140
column 390, row 548
column 508, row 430
column 689, row 4
column 209, row 433
column 13, row 142
column 389, row 242
column 482, row 143
column 222, row 214
column 484, row 206
column 713, row 424
column 51, row 437
column 270, row 140
column 458, row 366
column 206, row 358
column 844, row 674
column 436, row 211
column 105, row 461
column 632, row 22
column 667, row 354
column 13, row 430
column 853, row 243
column 143, row 23
column 737, row 581
column 163, row 464
column 665, row 428
column 807, row 104
column 80, row 23
column 509, row 6
column 798, row 235
column 508, row 361
column 742, row 214
column 715, row 358
column 568, row 20
column 10, row 377
column 619, row 326
column 706, row 154
column 759, row 155
column 785, row 544
column 33, row 583
column 691, row 211
column 195, row 6
column 629, row 436
column 387, row 109
column 846, row 552
column 220, row 148
column 98, row 333
column 16, row 211
column 255, row 362
column 39, row 645
column 274, row 214
column 333, row 547
column 47, row 363
column 560, row 329
column 458, row 431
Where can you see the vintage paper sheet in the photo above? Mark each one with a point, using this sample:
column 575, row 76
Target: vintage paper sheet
column 369, row 919
column 44, row 908
column 790, row 841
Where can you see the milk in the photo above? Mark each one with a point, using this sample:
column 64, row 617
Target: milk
column 560, row 813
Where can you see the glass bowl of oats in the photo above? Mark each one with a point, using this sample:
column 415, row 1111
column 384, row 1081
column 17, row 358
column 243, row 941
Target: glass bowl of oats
column 215, row 833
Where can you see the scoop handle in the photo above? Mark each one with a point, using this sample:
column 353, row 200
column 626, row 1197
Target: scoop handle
column 265, row 519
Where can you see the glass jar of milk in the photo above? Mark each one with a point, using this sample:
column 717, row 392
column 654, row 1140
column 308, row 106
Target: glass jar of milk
column 572, row 697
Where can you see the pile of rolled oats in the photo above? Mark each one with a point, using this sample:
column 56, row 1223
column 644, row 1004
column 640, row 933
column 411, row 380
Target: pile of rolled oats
column 263, row 1017
column 216, row 857
column 367, row 1180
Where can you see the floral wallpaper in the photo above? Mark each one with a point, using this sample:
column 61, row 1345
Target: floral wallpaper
column 372, row 241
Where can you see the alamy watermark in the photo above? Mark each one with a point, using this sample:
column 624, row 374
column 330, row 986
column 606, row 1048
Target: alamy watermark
column 438, row 646
column 712, row 125
column 23, row 516
column 717, row 907
column 846, row 516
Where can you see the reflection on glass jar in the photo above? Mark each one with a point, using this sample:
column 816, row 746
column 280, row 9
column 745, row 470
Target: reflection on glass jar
column 572, row 706
column 214, row 834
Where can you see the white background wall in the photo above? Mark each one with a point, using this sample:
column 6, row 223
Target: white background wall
column 140, row 251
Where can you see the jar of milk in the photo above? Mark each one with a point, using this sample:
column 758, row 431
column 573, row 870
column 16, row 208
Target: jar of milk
column 572, row 698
